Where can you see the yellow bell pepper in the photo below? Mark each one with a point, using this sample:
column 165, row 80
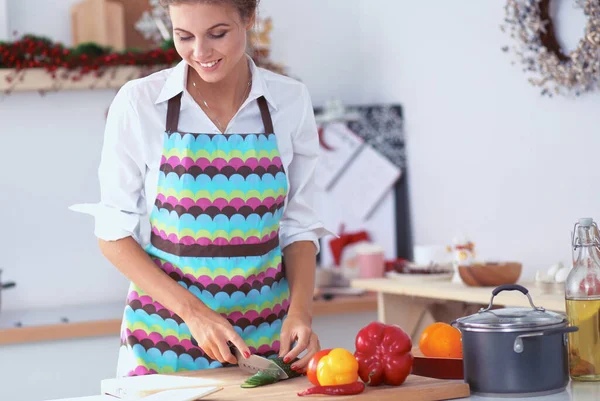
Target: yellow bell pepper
column 336, row 368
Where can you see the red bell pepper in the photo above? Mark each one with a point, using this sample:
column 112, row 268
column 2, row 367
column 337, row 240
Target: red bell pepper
column 384, row 354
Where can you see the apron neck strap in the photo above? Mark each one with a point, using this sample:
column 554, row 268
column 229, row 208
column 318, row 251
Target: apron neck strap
column 173, row 113
column 174, row 107
column 266, row 115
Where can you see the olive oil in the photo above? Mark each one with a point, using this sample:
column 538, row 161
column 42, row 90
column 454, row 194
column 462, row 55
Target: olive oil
column 584, row 344
column 582, row 296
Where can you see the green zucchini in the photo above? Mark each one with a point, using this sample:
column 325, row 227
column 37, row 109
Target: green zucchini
column 287, row 367
column 266, row 377
column 261, row 378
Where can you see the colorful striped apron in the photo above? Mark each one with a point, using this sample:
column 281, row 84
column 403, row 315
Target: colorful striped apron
column 215, row 230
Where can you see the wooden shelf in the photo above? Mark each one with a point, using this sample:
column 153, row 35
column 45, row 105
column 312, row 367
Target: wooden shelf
column 38, row 79
column 104, row 326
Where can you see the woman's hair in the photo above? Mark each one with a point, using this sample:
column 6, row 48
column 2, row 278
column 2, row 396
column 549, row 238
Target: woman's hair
column 246, row 8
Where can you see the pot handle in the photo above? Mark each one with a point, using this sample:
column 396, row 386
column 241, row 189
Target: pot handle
column 518, row 344
column 511, row 287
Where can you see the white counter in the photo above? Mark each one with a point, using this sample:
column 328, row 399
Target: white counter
column 575, row 392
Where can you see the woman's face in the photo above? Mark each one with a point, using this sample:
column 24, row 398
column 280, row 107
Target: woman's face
column 211, row 38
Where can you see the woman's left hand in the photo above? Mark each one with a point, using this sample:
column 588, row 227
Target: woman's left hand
column 297, row 328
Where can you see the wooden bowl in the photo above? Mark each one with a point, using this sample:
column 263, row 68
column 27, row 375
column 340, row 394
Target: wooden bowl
column 490, row 274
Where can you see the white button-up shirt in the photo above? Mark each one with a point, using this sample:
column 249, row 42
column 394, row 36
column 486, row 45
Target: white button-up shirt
column 133, row 144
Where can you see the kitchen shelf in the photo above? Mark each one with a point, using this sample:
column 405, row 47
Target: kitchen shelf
column 105, row 320
column 38, row 79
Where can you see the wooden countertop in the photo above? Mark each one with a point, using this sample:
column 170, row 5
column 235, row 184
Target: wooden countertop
column 446, row 290
column 415, row 388
column 105, row 320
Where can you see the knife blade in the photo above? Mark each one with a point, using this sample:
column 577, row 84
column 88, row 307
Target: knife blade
column 256, row 363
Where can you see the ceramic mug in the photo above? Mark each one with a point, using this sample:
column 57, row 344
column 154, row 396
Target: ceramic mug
column 370, row 259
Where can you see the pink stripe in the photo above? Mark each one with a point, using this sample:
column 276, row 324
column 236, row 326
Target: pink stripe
column 276, row 161
column 204, row 241
column 174, row 161
column 187, row 240
column 252, row 162
column 253, row 203
column 252, row 314
column 155, row 337
column 236, row 163
column 237, row 203
column 237, row 241
column 204, row 203
column 142, row 371
column 263, row 349
column 265, row 163
column 187, row 162
column 187, row 203
column 221, row 203
column 219, row 163
column 172, row 200
column 203, row 163
column 222, row 281
column 220, row 241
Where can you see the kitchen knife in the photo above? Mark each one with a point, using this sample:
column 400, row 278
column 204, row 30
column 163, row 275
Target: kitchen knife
column 255, row 363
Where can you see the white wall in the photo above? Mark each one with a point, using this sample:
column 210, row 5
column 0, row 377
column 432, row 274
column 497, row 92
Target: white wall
column 3, row 20
column 50, row 251
column 488, row 156
column 319, row 42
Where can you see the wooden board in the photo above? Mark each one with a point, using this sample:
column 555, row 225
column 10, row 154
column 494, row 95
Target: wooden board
column 98, row 21
column 134, row 9
column 448, row 291
column 416, row 388
column 38, row 79
column 438, row 368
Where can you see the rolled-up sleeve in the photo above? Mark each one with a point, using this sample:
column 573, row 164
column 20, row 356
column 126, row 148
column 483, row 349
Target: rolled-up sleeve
column 121, row 174
column 300, row 221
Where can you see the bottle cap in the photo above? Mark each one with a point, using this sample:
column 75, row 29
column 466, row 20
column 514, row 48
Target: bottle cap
column 586, row 221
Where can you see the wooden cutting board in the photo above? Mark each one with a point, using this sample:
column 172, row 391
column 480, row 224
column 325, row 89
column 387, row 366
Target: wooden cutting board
column 416, row 388
column 438, row 368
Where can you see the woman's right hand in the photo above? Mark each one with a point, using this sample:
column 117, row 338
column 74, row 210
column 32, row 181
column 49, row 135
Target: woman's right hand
column 213, row 333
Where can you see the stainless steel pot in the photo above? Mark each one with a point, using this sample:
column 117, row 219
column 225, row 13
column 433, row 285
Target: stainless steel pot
column 4, row 286
column 515, row 352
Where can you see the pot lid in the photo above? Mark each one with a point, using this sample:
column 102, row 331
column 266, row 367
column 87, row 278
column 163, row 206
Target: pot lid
column 511, row 319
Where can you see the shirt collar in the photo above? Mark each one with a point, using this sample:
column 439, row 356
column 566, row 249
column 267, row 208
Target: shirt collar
column 176, row 80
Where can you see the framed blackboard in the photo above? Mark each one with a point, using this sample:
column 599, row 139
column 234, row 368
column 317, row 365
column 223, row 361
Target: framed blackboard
column 382, row 127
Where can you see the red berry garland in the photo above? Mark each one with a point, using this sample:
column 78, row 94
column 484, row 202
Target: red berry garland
column 37, row 52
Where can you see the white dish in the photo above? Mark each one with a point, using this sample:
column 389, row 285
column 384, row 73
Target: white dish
column 445, row 276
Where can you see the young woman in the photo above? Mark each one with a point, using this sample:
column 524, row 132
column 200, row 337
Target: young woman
column 206, row 204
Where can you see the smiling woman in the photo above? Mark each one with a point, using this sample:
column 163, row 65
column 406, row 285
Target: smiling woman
column 216, row 156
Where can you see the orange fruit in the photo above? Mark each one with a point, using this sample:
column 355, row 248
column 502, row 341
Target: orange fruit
column 424, row 339
column 441, row 340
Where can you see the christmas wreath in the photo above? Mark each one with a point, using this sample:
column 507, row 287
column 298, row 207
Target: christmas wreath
column 578, row 72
